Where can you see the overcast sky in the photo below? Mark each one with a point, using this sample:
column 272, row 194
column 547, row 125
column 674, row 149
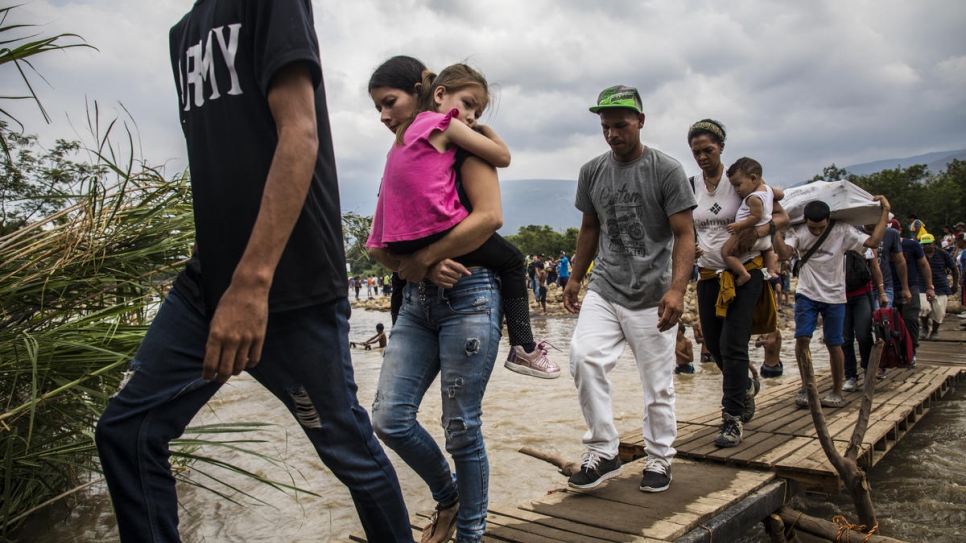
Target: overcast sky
column 799, row 85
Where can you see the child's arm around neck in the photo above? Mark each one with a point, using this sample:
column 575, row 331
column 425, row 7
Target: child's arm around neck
column 487, row 145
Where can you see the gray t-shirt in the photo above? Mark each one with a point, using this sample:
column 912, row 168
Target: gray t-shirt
column 633, row 201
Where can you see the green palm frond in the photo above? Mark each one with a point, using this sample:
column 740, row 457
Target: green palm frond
column 18, row 48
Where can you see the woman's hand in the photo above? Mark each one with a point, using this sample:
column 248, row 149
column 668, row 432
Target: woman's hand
column 411, row 268
column 446, row 273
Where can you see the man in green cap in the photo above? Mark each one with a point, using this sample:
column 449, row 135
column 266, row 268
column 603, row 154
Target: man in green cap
column 636, row 203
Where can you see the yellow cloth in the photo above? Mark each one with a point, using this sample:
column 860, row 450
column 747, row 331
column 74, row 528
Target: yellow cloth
column 765, row 319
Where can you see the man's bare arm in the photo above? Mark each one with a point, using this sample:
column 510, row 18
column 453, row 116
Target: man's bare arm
column 237, row 329
column 587, row 242
column 671, row 306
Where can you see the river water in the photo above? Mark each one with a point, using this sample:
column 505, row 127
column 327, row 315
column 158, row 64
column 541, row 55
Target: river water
column 919, row 489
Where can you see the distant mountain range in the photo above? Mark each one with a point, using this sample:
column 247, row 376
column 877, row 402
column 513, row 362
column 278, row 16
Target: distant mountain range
column 551, row 201
column 934, row 161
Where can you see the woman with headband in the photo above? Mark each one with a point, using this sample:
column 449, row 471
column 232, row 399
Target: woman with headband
column 726, row 337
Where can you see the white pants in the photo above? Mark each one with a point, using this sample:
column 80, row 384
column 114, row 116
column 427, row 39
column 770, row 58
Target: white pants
column 602, row 330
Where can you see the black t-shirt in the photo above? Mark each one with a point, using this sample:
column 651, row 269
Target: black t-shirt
column 224, row 55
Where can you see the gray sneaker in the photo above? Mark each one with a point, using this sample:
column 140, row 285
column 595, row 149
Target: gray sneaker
column 749, row 411
column 657, row 476
column 730, row 433
column 851, row 384
column 594, row 470
column 801, row 399
column 934, row 336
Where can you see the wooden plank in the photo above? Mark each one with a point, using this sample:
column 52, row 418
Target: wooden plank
column 779, row 453
column 506, row 528
column 582, row 531
column 736, row 519
column 749, row 452
column 619, row 517
column 696, row 493
column 697, row 441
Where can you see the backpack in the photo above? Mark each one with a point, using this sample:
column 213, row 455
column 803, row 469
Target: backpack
column 890, row 328
column 857, row 272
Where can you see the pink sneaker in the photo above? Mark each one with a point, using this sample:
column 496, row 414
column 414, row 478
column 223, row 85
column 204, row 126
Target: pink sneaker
column 534, row 364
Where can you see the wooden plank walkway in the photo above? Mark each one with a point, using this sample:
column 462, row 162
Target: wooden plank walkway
column 722, row 492
column 619, row 512
column 782, row 437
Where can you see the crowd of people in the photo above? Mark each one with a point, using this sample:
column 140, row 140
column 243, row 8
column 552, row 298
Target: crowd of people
column 265, row 290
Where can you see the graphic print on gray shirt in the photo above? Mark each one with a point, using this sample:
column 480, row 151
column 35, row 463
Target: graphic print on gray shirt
column 633, row 201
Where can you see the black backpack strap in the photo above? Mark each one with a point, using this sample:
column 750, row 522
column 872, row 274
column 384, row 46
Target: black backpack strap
column 811, row 250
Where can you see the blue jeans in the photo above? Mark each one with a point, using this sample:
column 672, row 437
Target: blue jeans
column 166, row 390
column 453, row 333
column 857, row 326
column 889, row 292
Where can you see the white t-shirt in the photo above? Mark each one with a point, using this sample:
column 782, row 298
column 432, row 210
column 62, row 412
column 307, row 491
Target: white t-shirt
column 822, row 278
column 767, row 197
column 714, row 212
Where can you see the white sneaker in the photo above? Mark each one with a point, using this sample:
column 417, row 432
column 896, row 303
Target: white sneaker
column 851, row 385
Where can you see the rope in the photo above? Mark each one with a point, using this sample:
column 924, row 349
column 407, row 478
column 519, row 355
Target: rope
column 790, row 530
column 845, row 529
column 710, row 533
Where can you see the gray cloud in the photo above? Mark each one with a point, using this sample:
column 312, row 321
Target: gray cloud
column 799, row 85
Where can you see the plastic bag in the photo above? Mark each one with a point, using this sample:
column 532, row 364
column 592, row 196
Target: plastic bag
column 849, row 203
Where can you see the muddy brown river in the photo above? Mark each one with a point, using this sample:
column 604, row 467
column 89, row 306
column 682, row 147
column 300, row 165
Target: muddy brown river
column 919, row 488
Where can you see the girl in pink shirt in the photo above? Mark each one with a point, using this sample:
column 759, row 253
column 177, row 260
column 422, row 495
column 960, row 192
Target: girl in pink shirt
column 419, row 200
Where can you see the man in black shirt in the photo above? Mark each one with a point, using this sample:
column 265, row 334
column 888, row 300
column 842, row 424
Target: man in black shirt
column 267, row 280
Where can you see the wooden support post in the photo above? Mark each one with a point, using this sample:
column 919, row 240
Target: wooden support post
column 828, row 530
column 847, row 467
column 775, row 528
column 563, row 466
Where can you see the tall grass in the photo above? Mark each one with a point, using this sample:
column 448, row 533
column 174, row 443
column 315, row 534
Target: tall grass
column 78, row 289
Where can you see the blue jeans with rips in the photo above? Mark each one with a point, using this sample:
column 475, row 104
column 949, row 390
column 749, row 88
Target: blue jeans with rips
column 305, row 364
column 453, row 333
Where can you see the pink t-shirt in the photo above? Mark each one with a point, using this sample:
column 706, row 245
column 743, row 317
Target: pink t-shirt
column 418, row 195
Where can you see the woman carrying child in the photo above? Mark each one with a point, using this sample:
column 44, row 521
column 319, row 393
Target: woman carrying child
column 449, row 323
column 726, row 337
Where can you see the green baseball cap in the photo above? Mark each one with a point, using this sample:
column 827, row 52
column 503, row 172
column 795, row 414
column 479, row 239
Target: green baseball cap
column 618, row 96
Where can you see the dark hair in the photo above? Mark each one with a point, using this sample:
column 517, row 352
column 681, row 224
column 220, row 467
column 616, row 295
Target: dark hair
column 817, row 211
column 380, row 327
column 745, row 165
column 399, row 72
column 702, row 127
column 453, row 78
